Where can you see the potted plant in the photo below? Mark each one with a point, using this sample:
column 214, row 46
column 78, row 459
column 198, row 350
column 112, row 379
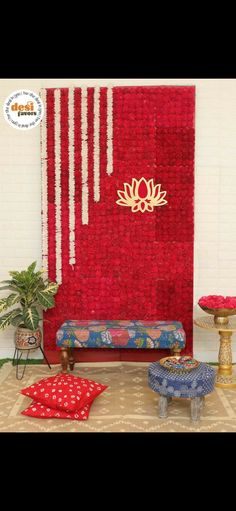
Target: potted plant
column 30, row 292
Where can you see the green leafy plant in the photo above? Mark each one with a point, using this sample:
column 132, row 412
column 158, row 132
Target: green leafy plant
column 30, row 291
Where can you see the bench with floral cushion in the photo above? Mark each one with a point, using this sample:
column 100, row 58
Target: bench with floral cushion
column 118, row 334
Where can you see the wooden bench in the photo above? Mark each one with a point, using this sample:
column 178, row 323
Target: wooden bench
column 118, row 334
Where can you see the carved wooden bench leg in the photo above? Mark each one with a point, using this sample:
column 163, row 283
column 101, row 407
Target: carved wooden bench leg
column 64, row 359
column 176, row 352
column 71, row 359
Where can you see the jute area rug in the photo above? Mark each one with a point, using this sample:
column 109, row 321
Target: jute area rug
column 128, row 404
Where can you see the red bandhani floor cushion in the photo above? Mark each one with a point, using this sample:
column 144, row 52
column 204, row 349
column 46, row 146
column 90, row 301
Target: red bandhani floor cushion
column 40, row 411
column 64, row 392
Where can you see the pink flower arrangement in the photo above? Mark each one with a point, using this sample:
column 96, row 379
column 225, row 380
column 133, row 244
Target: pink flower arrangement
column 218, row 302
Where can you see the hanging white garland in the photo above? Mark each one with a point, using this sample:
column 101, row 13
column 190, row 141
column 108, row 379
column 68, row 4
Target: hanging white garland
column 71, row 156
column 71, row 178
column 57, row 123
column 96, row 155
column 84, row 154
column 109, row 130
column 44, row 194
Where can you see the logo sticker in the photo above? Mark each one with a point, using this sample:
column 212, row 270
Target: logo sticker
column 23, row 109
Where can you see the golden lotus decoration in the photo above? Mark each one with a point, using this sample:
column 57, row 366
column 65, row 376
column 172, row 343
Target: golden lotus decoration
column 141, row 195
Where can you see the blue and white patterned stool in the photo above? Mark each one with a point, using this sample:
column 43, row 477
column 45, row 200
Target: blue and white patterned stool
column 194, row 384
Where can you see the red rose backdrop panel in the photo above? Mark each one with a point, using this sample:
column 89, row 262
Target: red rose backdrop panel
column 113, row 263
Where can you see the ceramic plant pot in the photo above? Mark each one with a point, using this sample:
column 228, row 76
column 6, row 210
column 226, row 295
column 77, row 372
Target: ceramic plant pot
column 26, row 339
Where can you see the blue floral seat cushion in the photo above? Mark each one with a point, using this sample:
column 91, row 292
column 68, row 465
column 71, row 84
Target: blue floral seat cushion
column 121, row 334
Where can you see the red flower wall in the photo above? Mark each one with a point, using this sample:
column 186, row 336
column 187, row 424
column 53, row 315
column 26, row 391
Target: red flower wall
column 128, row 265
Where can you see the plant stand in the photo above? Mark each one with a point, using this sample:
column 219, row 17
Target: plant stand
column 17, row 359
column 225, row 375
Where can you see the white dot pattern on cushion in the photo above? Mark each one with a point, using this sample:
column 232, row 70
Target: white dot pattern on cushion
column 37, row 410
column 76, row 393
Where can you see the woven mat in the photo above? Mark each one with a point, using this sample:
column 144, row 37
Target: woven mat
column 128, row 405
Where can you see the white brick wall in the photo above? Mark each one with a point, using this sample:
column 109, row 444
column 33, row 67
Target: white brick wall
column 215, row 192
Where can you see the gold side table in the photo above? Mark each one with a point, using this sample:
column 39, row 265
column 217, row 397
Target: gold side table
column 225, row 375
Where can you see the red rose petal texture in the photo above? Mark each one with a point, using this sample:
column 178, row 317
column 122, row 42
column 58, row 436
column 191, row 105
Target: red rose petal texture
column 128, row 265
column 218, row 302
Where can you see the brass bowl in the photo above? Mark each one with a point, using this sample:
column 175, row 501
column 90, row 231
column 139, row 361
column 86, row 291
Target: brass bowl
column 220, row 315
column 179, row 370
column 218, row 312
